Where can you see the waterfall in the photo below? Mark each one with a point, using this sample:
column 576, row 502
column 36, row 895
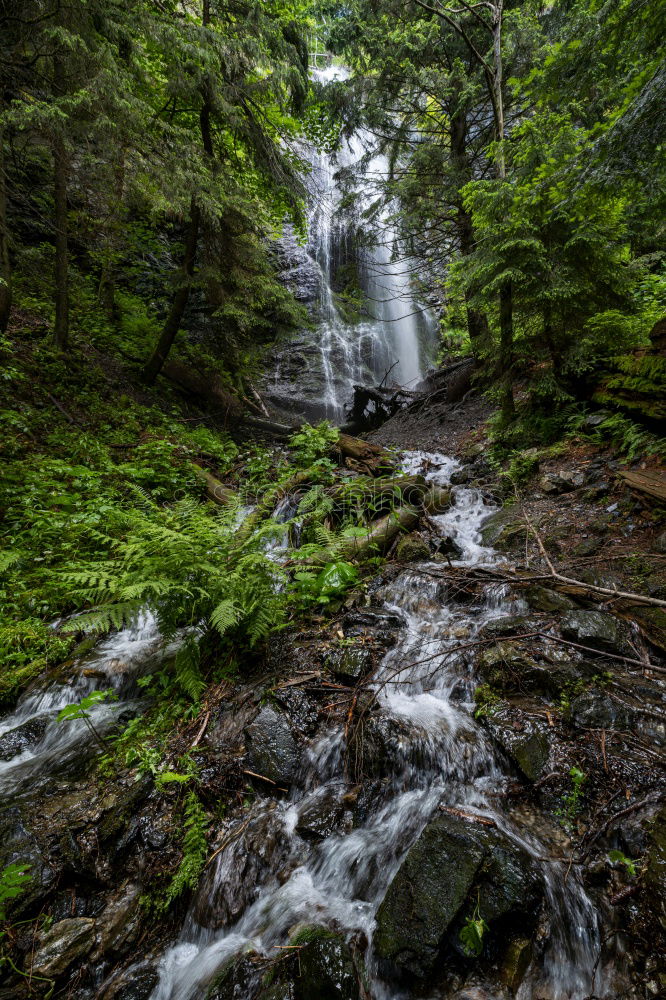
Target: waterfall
column 385, row 332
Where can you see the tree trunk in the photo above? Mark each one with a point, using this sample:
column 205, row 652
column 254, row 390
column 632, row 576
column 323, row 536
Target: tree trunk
column 477, row 324
column 60, row 172
column 506, row 352
column 506, row 290
column 172, row 323
column 5, row 264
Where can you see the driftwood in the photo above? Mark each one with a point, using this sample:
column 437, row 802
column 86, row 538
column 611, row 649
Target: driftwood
column 373, row 406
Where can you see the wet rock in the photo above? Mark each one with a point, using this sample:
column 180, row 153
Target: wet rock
column 516, row 962
column 322, row 815
column 64, row 943
column 23, row 738
column 655, row 869
column 512, row 671
column 543, row 599
column 350, row 663
column 596, row 629
column 326, row 967
column 300, row 707
column 378, row 751
column 523, row 741
column 239, row 977
column 653, row 623
column 454, row 867
column 135, row 983
column 503, row 529
column 659, row 544
column 595, row 710
column 119, row 921
column 511, row 625
column 427, row 892
column 272, row 750
column 412, row 548
column 380, row 623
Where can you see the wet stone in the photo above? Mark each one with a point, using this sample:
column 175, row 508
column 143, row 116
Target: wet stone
column 598, row 630
column 524, row 742
column 321, row 816
column 350, row 664
column 454, row 867
column 23, row 738
column 135, row 983
column 423, row 899
column 412, row 548
column 543, row 599
column 502, row 529
column 596, row 710
column 272, row 751
column 326, row 967
column 63, row 944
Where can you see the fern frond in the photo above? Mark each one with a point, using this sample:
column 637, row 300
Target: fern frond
column 225, row 616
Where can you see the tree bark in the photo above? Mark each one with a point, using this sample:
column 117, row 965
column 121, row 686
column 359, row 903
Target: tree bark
column 477, row 324
column 506, row 352
column 60, row 173
column 172, row 324
column 5, row 263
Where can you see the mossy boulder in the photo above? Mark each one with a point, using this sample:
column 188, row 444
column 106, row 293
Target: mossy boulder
column 525, row 742
column 503, row 529
column 239, row 976
column 66, row 942
column 652, row 622
column 350, row 663
column 327, row 967
column 453, row 867
column 412, row 548
column 549, row 601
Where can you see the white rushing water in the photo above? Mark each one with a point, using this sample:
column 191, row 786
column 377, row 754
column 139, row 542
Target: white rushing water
column 443, row 757
column 46, row 745
column 394, row 332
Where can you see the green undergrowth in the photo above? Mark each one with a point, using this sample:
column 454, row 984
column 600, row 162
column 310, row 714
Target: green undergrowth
column 105, row 514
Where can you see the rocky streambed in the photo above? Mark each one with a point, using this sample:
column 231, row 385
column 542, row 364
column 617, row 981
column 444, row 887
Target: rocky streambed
column 455, row 790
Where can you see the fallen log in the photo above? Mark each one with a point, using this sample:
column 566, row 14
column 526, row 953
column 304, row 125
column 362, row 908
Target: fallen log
column 364, row 455
column 215, row 490
column 379, row 537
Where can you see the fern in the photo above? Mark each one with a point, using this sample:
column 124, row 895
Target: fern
column 187, row 669
column 195, row 849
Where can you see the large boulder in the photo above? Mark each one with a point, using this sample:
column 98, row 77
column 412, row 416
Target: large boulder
column 427, row 892
column 453, row 867
column 272, row 750
column 503, row 529
column 597, row 630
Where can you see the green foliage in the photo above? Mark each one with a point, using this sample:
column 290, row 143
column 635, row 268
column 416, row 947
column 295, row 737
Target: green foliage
column 312, row 587
column 310, row 446
column 195, row 849
column 80, row 710
column 486, row 700
column 14, row 880
column 473, row 933
column 571, row 801
column 619, row 858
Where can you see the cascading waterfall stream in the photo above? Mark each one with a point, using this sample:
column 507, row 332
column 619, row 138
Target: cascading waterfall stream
column 393, row 332
column 446, row 760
